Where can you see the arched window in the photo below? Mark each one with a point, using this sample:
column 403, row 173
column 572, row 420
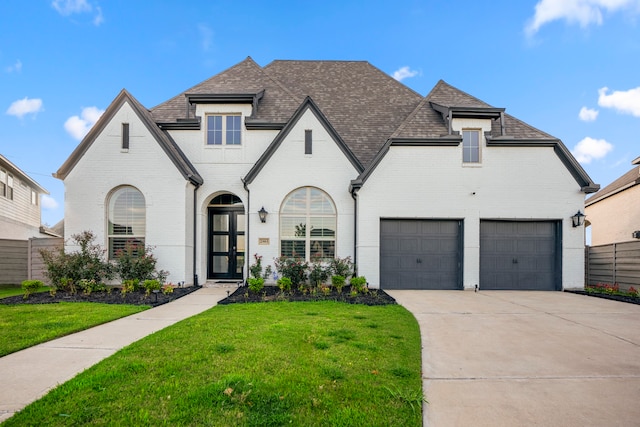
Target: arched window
column 308, row 225
column 127, row 219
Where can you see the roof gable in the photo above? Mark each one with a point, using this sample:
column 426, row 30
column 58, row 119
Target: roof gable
column 165, row 141
column 10, row 167
column 307, row 104
column 628, row 180
column 276, row 102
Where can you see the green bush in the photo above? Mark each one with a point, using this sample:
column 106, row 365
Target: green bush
column 256, row 284
column 293, row 268
column 358, row 284
column 318, row 273
column 284, row 283
column 151, row 285
column 88, row 286
column 338, row 282
column 30, row 286
column 137, row 261
column 341, row 267
column 87, row 263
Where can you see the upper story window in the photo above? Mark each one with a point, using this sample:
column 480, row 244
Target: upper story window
column 471, row 146
column 9, row 186
column 34, row 197
column 3, row 183
column 224, row 130
column 308, row 225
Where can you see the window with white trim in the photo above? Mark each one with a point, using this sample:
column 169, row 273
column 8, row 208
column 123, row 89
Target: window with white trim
column 34, row 197
column 9, row 186
column 224, row 129
column 471, row 146
column 126, row 213
column 3, row 183
column 308, row 225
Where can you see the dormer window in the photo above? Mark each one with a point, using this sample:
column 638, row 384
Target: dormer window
column 471, row 146
column 224, row 129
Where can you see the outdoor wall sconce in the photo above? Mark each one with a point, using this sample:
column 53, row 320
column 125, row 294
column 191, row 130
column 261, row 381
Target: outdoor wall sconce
column 263, row 215
column 578, row 219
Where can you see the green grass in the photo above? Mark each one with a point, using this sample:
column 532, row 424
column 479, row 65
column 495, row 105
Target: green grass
column 13, row 290
column 280, row 363
column 25, row 325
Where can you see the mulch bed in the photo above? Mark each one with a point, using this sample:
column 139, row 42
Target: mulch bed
column 272, row 293
column 113, row 297
column 621, row 298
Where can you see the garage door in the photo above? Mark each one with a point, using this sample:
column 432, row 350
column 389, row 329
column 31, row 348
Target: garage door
column 420, row 254
column 520, row 255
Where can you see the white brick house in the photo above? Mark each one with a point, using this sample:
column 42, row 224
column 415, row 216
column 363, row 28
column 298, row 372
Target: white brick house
column 435, row 192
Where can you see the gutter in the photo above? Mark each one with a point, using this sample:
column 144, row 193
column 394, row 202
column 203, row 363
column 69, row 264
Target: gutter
column 248, row 234
column 355, row 230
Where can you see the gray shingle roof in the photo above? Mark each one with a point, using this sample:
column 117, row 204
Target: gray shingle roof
column 629, row 179
column 364, row 105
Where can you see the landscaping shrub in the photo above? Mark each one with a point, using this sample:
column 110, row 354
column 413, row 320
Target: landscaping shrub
column 358, row 284
column 87, row 263
column 256, row 284
column 137, row 261
column 341, row 267
column 30, row 286
column 338, row 282
column 318, row 273
column 293, row 268
column 284, row 283
column 152, row 285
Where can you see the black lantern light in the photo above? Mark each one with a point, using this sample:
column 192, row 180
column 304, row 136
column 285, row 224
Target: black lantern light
column 263, row 215
column 578, row 219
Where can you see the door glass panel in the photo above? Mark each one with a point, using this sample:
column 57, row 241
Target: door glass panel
column 239, row 264
column 220, row 263
column 221, row 222
column 220, row 243
column 240, row 244
column 240, row 223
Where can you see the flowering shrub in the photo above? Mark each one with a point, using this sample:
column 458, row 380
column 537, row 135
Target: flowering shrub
column 256, row 268
column 293, row 268
column 137, row 261
column 318, row 273
column 341, row 267
column 610, row 289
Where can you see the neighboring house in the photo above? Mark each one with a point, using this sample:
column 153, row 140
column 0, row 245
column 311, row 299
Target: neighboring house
column 436, row 192
column 20, row 214
column 614, row 212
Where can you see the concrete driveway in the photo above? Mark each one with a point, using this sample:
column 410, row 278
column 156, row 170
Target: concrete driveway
column 515, row 358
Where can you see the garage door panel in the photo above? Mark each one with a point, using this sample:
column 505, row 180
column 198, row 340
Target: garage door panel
column 420, row 254
column 519, row 255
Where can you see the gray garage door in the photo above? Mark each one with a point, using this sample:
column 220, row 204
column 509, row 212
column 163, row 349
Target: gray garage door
column 420, row 254
column 520, row 255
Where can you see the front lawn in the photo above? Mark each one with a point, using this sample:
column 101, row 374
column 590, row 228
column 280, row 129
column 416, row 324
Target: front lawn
column 263, row 364
column 25, row 325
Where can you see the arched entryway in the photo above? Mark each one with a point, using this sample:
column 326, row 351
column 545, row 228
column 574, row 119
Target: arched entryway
column 226, row 237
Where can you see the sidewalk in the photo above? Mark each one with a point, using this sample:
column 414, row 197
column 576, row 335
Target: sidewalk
column 29, row 374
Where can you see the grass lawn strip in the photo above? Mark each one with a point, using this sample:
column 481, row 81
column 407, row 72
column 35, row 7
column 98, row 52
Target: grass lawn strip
column 23, row 325
column 13, row 290
column 266, row 364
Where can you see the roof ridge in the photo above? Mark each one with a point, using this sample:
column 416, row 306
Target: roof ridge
column 464, row 93
column 248, row 59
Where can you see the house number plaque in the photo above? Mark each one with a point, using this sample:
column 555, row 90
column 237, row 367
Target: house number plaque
column 263, row 240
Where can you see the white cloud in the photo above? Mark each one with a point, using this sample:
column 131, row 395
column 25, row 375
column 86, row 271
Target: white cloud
column 622, row 101
column 403, row 73
column 48, row 202
column 79, row 126
column 17, row 67
column 25, row 106
column 591, row 149
column 71, row 7
column 206, row 36
column 588, row 114
column 583, row 12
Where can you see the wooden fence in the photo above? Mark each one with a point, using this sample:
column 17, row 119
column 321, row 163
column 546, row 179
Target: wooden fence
column 615, row 263
column 20, row 259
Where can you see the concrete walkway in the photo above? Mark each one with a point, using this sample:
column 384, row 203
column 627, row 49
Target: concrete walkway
column 499, row 358
column 27, row 375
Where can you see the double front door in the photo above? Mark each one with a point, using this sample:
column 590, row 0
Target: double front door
column 226, row 243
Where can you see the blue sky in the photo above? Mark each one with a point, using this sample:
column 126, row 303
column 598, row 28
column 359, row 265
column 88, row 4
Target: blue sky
column 570, row 68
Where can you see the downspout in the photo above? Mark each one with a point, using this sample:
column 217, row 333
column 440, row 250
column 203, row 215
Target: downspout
column 195, row 224
column 355, row 232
